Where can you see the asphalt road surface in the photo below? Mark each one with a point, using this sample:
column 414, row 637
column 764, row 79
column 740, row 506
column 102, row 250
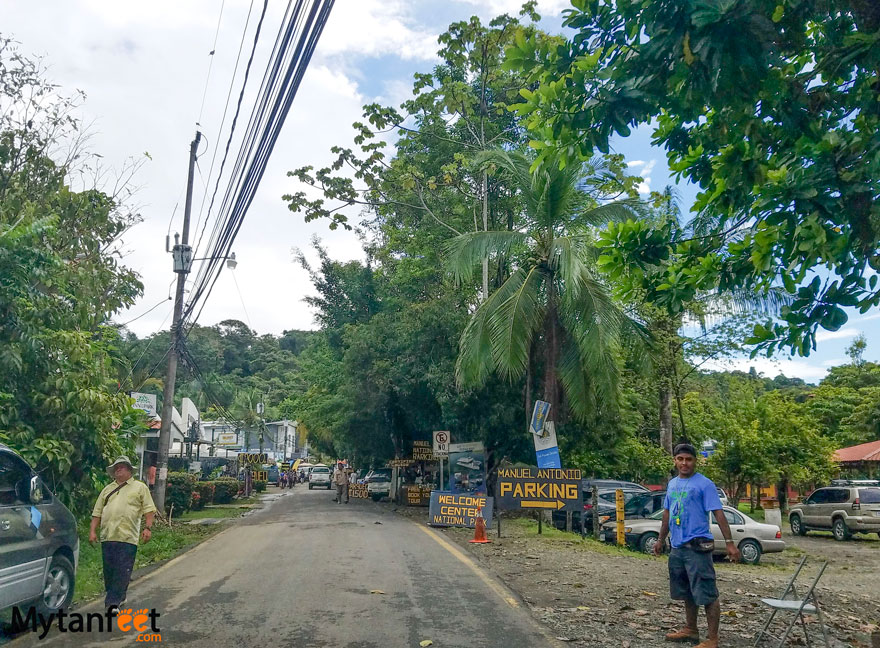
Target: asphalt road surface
column 306, row 572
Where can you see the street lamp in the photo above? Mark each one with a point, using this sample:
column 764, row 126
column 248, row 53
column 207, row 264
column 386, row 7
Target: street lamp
column 231, row 261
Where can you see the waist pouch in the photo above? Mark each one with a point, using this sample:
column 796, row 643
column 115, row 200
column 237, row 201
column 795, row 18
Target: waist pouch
column 702, row 545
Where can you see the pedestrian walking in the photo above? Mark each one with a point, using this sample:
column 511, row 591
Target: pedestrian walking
column 690, row 498
column 340, row 478
column 118, row 511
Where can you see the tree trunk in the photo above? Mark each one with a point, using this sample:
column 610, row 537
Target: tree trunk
column 551, row 354
column 485, row 193
column 666, row 417
column 782, row 493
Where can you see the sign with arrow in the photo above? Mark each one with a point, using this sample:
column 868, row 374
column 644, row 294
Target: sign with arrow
column 556, row 489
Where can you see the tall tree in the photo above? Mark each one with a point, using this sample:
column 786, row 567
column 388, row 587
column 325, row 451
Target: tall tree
column 552, row 304
column 769, row 107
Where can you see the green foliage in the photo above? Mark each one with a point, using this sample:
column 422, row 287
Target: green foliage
column 59, row 250
column 770, row 108
column 225, row 489
column 205, row 492
column 179, row 493
column 260, row 485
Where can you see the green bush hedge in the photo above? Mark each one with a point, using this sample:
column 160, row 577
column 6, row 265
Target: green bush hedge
column 225, row 489
column 179, row 491
column 203, row 494
column 259, row 485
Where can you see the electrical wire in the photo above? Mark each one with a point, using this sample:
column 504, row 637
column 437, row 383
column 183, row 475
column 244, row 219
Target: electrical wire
column 147, row 312
column 143, row 353
column 282, row 77
column 211, row 63
column 220, row 130
column 241, row 299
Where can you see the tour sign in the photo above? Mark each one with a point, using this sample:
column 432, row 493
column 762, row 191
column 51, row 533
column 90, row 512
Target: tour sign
column 538, row 488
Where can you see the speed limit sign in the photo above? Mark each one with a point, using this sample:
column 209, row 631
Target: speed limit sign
column 441, row 444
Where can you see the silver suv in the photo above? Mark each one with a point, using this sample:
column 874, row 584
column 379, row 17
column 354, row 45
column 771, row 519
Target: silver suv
column 39, row 547
column 844, row 508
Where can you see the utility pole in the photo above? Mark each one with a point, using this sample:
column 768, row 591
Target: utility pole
column 182, row 254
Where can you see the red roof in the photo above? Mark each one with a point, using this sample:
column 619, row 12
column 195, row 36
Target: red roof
column 862, row 452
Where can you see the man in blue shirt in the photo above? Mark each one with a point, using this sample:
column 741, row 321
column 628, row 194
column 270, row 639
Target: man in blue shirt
column 690, row 498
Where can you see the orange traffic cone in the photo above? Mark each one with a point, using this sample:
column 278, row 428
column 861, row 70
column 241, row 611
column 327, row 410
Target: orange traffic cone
column 480, row 529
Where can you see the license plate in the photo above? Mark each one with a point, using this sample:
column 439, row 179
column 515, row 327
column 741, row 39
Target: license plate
column 601, row 537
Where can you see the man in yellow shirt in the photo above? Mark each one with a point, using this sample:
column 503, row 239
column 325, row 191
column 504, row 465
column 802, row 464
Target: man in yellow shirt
column 118, row 511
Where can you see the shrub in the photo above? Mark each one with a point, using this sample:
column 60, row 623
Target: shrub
column 225, row 489
column 259, row 485
column 205, row 492
column 179, row 491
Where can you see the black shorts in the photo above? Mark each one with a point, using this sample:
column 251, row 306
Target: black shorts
column 692, row 576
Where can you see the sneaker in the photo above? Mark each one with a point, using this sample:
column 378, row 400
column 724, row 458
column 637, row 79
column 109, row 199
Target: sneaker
column 685, row 634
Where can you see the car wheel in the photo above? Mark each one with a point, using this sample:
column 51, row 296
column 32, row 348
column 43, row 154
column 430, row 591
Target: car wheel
column 839, row 530
column 750, row 550
column 647, row 542
column 57, row 588
column 797, row 527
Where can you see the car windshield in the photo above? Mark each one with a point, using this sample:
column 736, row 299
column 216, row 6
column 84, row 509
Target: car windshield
column 869, row 495
column 656, row 516
column 638, row 502
column 320, row 470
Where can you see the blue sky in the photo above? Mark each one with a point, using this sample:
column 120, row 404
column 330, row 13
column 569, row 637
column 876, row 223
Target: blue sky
column 143, row 67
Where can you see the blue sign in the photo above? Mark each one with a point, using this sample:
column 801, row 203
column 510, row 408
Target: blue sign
column 459, row 509
column 36, row 517
column 539, row 415
column 549, row 458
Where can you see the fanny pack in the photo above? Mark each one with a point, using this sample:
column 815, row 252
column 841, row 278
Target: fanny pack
column 701, row 545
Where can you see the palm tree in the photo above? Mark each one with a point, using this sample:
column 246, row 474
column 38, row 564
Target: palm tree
column 552, row 302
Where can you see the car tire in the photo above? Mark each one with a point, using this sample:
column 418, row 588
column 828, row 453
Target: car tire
column 839, row 530
column 750, row 551
column 647, row 542
column 58, row 588
column 797, row 526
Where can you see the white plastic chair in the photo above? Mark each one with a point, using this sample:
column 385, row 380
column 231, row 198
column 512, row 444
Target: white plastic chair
column 789, row 602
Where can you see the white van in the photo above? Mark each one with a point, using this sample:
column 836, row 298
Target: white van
column 320, row 475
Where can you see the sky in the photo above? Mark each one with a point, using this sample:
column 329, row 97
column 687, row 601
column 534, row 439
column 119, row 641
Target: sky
column 143, row 67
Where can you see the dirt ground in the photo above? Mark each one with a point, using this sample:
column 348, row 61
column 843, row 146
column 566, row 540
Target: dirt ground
column 592, row 594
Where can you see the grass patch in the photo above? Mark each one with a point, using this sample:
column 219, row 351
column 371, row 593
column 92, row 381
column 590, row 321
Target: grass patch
column 757, row 515
column 552, row 534
column 165, row 543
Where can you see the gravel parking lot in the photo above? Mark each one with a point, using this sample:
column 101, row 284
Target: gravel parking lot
column 598, row 595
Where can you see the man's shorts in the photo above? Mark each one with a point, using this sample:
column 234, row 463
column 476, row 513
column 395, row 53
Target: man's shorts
column 692, row 576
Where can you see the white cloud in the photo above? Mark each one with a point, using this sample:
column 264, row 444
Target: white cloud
column 771, row 367
column 823, row 336
column 867, row 318
column 635, row 163
column 833, row 362
column 376, row 28
column 546, row 8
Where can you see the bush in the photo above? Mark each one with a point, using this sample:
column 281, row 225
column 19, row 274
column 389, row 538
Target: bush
column 203, row 494
column 225, row 489
column 259, row 485
column 179, row 491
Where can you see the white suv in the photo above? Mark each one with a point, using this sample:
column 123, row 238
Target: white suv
column 320, row 476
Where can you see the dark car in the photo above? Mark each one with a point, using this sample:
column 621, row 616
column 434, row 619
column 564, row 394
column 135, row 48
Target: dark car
column 607, row 502
column 641, row 505
column 39, row 546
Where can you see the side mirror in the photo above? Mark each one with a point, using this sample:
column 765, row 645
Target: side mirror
column 36, row 491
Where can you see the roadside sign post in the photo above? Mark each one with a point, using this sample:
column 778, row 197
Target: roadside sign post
column 621, row 539
column 441, row 449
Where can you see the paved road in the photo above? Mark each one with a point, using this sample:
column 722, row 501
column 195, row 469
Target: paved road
column 301, row 573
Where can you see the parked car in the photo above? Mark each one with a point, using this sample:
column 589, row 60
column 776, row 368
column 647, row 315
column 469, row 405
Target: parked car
column 640, row 505
column 723, row 497
column 753, row 538
column 320, row 476
column 607, row 502
column 39, row 546
column 845, row 507
column 378, row 483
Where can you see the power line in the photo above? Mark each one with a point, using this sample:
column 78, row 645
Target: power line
column 294, row 45
column 241, row 299
column 211, row 63
column 147, row 312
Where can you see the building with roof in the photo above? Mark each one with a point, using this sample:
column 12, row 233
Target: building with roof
column 861, row 460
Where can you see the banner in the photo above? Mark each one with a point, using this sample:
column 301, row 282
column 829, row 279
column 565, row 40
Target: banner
column 467, row 467
column 458, row 509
